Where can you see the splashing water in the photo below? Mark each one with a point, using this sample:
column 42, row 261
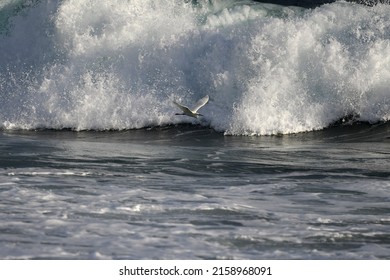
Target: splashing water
column 118, row 65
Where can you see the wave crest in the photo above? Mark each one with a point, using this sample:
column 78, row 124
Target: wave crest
column 268, row 69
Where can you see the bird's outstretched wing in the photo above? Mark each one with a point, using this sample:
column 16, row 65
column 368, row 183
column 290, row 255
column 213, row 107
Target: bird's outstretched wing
column 201, row 102
column 185, row 109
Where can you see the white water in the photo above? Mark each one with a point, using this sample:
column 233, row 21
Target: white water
column 118, row 64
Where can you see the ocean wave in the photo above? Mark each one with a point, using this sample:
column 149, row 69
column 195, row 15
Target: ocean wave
column 268, row 69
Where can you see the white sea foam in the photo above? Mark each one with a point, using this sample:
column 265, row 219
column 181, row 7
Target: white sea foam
column 268, row 69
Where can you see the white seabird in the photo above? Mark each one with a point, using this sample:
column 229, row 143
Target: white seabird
column 194, row 111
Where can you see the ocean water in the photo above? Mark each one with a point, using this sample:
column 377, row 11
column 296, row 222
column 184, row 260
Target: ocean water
column 291, row 159
column 191, row 193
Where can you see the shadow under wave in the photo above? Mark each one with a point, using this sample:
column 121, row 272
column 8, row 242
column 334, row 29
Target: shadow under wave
column 347, row 129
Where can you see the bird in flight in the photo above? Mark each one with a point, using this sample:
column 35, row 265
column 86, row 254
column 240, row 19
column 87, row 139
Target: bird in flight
column 194, row 111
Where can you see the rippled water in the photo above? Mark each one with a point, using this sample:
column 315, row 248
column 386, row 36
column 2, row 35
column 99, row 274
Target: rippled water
column 187, row 192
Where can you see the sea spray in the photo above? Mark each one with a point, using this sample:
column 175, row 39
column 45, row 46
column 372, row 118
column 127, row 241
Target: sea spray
column 268, row 69
column 314, row 70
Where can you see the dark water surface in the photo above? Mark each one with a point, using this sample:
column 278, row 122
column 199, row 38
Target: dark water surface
column 188, row 192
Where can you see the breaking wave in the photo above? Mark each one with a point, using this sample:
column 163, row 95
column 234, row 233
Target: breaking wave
column 268, row 69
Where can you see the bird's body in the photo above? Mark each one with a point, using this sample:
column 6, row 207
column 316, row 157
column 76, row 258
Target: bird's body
column 194, row 111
